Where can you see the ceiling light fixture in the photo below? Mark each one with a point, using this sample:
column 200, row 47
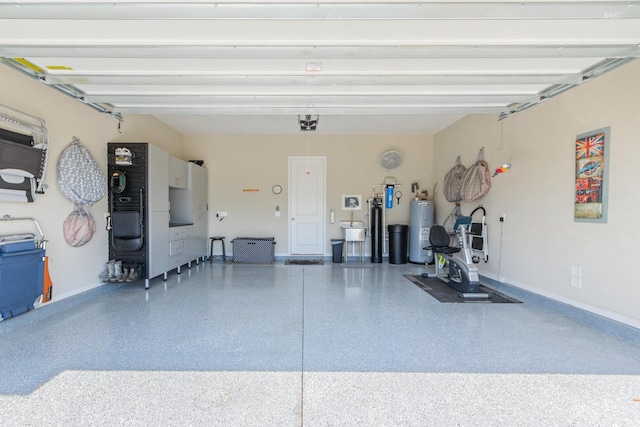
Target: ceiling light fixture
column 307, row 123
column 314, row 66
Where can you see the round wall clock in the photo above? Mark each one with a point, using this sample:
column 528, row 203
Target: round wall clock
column 276, row 189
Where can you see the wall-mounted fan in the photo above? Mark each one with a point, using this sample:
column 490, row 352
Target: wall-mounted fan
column 391, row 159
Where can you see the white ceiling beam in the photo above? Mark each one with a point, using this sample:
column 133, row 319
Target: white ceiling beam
column 295, row 110
column 390, row 90
column 523, row 50
column 293, row 67
column 354, row 10
column 320, row 33
column 266, row 101
column 316, row 80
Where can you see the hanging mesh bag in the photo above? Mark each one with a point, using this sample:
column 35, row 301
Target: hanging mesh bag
column 453, row 182
column 80, row 178
column 79, row 227
column 476, row 181
column 450, row 221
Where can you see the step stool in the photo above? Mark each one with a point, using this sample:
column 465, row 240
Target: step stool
column 221, row 240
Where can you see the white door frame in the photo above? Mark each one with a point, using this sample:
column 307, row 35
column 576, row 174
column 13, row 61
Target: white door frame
column 322, row 214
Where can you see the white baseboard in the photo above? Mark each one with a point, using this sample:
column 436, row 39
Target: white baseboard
column 609, row 314
column 60, row 297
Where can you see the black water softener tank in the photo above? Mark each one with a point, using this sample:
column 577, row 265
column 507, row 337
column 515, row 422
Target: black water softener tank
column 377, row 235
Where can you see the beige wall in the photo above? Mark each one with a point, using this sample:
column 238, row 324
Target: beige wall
column 258, row 162
column 539, row 241
column 72, row 269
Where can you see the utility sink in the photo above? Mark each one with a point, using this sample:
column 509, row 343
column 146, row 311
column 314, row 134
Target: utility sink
column 354, row 231
column 352, row 224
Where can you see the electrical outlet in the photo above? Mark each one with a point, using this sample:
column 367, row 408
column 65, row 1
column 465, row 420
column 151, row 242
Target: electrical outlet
column 221, row 215
column 576, row 270
column 576, row 282
column 576, row 276
column 503, row 217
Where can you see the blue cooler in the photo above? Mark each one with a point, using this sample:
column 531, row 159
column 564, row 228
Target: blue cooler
column 21, row 278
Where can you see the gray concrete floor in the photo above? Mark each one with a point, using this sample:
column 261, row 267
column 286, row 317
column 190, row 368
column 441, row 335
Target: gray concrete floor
column 317, row 345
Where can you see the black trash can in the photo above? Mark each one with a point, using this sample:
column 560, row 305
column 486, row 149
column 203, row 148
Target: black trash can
column 398, row 243
column 337, row 245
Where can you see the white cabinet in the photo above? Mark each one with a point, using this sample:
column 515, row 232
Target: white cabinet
column 199, row 211
column 158, row 201
column 198, row 244
column 198, row 187
column 180, row 238
column 158, row 188
column 189, row 206
column 178, row 173
column 176, row 247
column 157, row 239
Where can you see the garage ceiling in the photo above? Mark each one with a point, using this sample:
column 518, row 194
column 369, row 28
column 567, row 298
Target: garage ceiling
column 362, row 66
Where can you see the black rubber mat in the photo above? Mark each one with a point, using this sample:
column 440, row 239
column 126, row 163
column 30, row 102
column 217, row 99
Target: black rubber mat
column 304, row 262
column 250, row 264
column 445, row 293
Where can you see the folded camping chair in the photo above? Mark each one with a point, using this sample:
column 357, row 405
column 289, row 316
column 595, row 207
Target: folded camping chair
column 23, row 155
column 20, row 168
column 126, row 230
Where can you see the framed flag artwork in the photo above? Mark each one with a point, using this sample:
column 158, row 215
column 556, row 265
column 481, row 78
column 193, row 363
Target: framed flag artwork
column 591, row 178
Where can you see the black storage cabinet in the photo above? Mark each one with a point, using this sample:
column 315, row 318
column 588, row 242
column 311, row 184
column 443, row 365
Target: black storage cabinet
column 398, row 243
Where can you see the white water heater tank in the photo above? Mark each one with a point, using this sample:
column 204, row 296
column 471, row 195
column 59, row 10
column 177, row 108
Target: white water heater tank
column 421, row 220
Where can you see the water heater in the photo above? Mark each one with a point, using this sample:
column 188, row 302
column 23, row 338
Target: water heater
column 421, row 220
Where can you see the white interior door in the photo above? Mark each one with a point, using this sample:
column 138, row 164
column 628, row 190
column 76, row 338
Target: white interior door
column 307, row 201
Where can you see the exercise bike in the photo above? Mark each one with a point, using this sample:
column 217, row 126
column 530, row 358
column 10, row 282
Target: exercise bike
column 460, row 273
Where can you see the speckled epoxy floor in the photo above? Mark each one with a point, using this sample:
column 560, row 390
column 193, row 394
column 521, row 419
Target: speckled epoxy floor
column 306, row 346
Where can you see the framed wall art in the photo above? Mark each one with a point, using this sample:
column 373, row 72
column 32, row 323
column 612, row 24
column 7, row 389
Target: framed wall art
column 591, row 176
column 351, row 202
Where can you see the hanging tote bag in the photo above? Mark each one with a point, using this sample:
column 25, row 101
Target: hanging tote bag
column 453, row 182
column 79, row 227
column 476, row 181
column 80, row 178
